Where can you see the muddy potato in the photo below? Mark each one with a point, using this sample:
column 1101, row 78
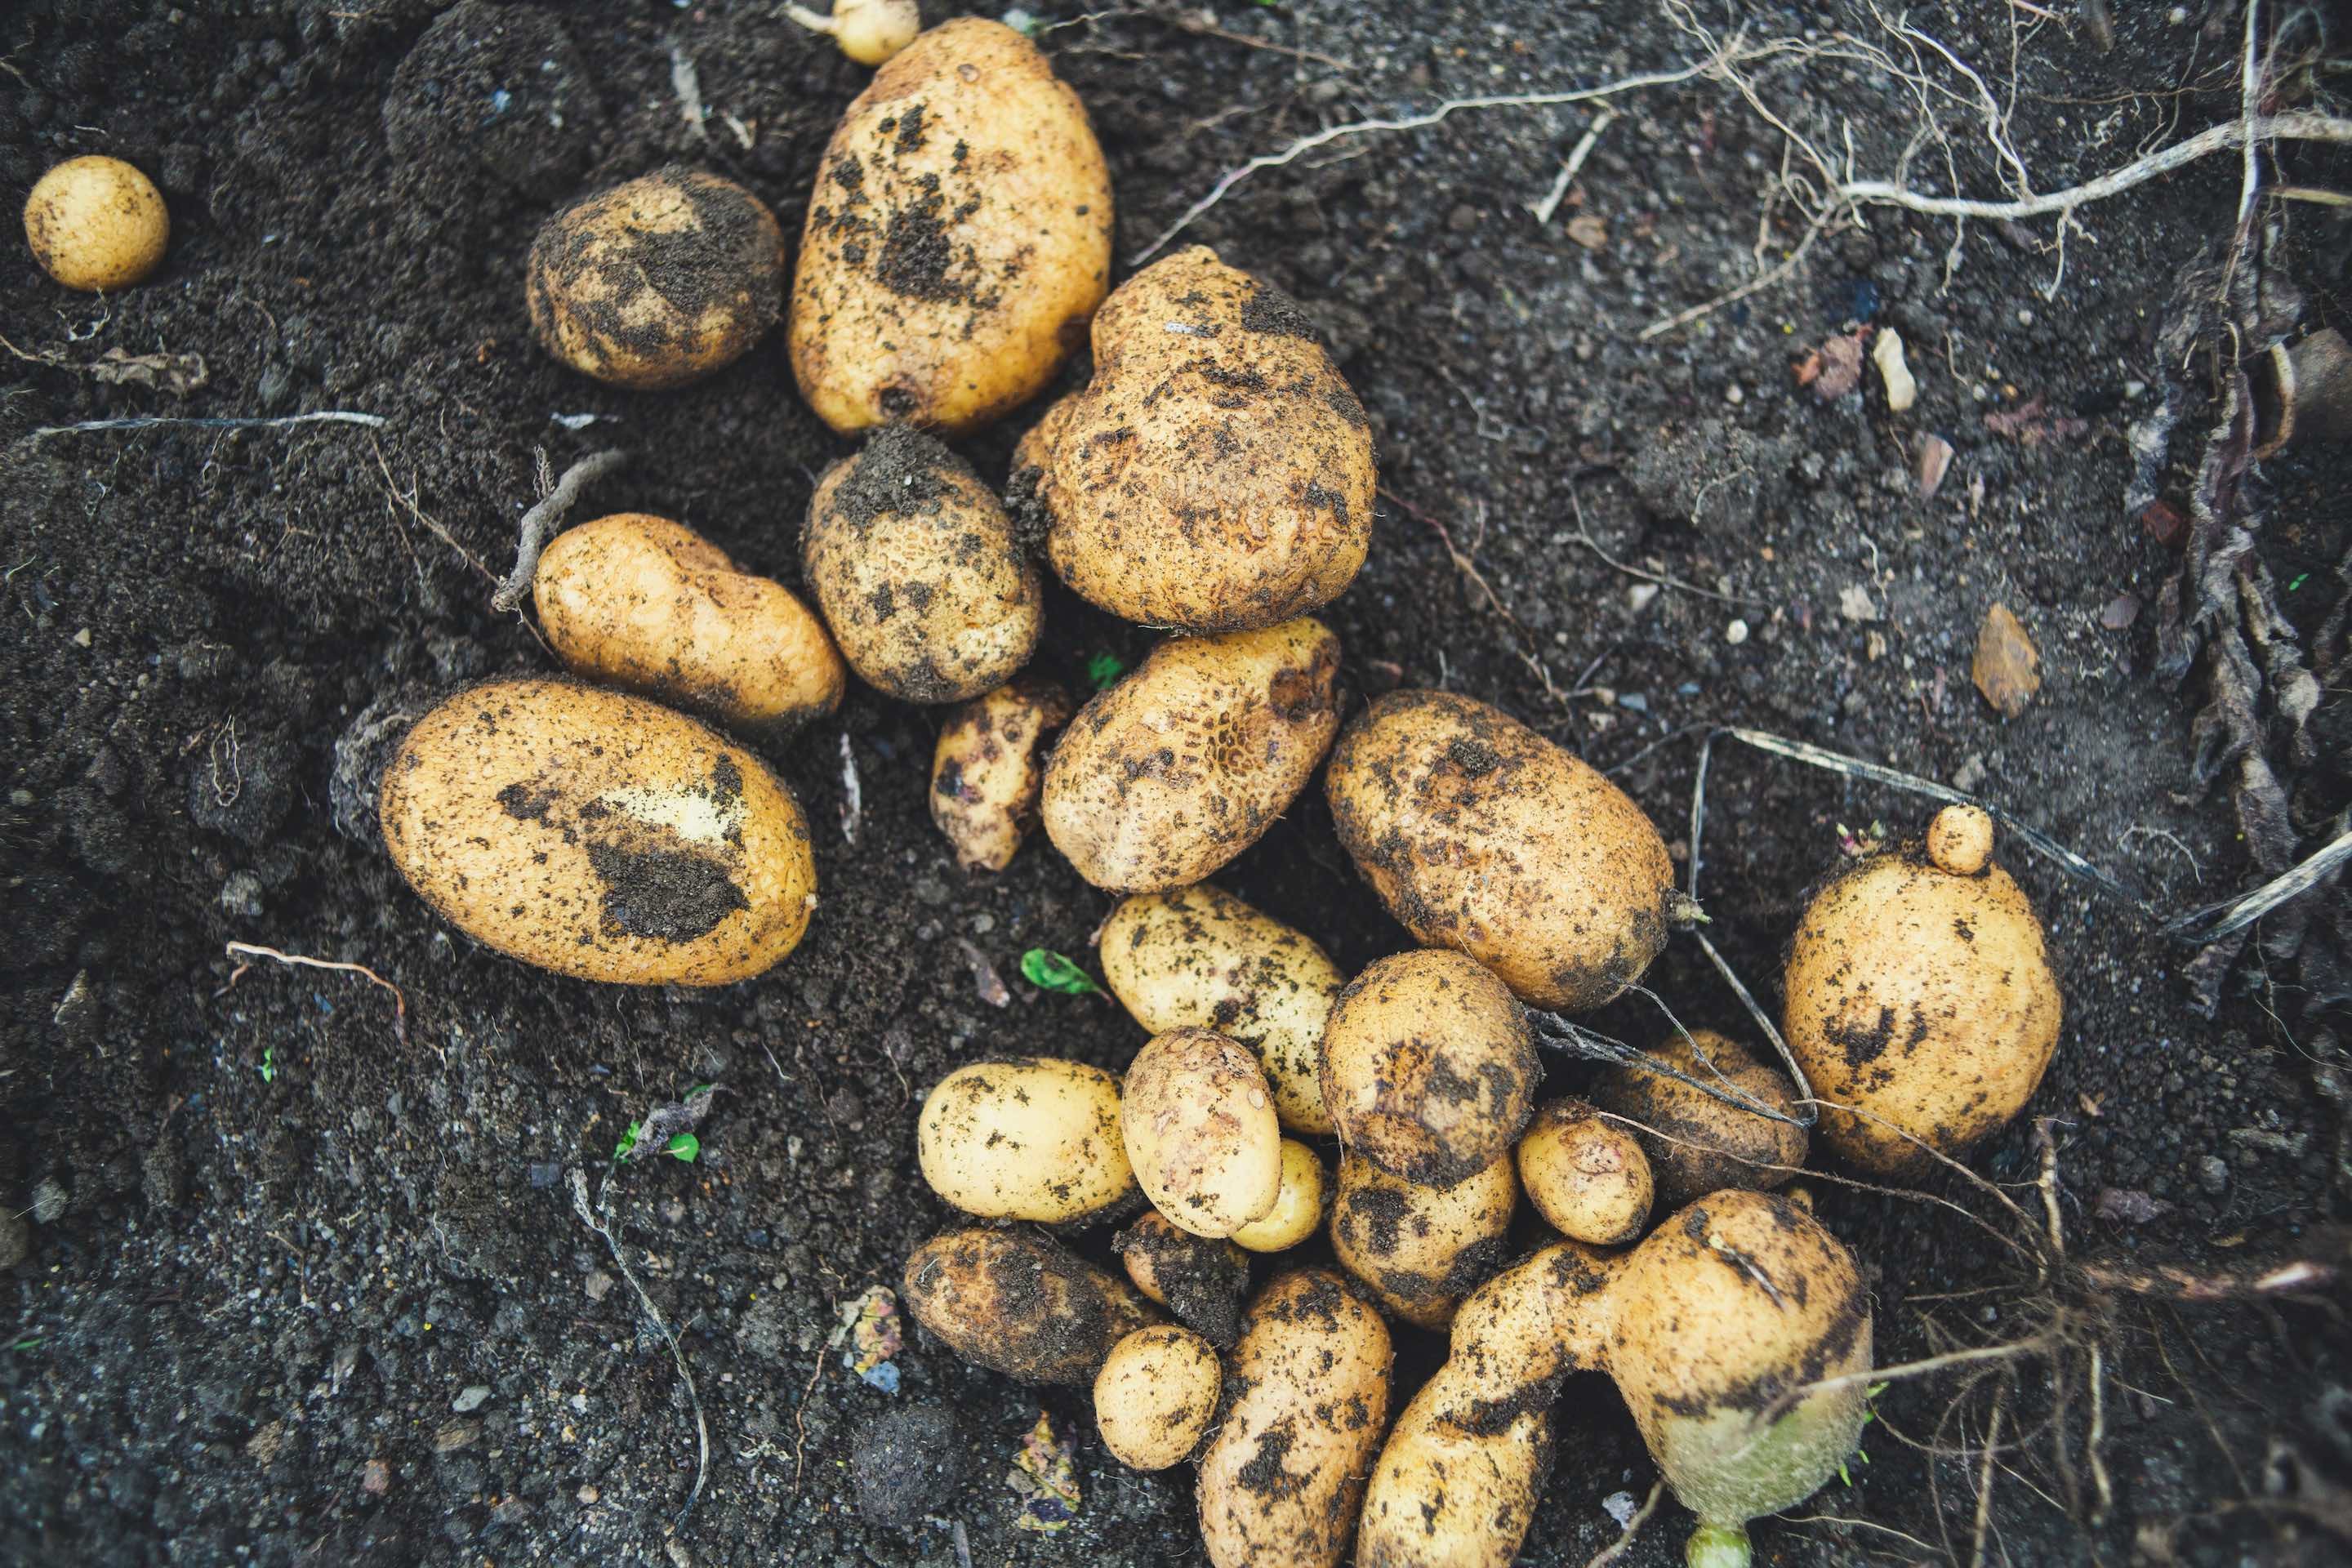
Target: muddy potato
column 1200, row 1131
column 1187, row 760
column 1198, row 956
column 1017, row 1303
column 1696, row 1144
column 914, row 564
column 659, row 281
column 598, row 835
column 95, row 224
column 1428, row 1069
column 1297, row 1210
column 957, row 239
column 642, row 602
column 1155, row 1396
column 1216, row 474
column 1481, row 835
column 1202, row 1280
column 1420, row 1250
column 1921, row 997
column 1035, row 1138
column 1279, row 1483
column 1586, row 1175
column 986, row 774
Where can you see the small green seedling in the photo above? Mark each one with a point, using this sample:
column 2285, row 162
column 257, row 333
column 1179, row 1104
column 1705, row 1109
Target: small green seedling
column 1103, row 668
column 270, row 1064
column 1049, row 971
column 1869, row 1414
column 684, row 1146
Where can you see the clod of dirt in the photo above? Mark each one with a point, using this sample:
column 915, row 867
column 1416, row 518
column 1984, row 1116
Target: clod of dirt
column 15, row 1238
column 361, row 753
column 500, row 88
column 907, row 1464
column 2007, row 670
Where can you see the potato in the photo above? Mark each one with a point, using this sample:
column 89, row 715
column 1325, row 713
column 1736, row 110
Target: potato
column 1481, row 835
column 659, row 281
column 1216, row 474
column 957, row 239
column 1920, row 998
column 1696, row 1144
column 1033, row 1138
column 1585, row 1174
column 1200, row 1131
column 598, row 835
column 1297, row 1209
column 986, row 774
column 868, row 31
column 915, row 566
column 646, row 602
column 1420, row 1250
column 1429, row 1068
column 1015, row 1302
column 1202, row 1280
column 95, row 224
column 1311, row 1380
column 1156, row 1396
column 1187, row 760
column 1199, row 956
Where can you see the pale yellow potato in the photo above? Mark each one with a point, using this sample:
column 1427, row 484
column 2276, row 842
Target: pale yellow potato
column 1585, row 1174
column 1297, row 1210
column 986, row 773
column 598, row 835
column 1420, row 1250
column 1959, row 840
column 1480, row 834
column 1035, row 1138
column 868, row 31
column 1189, row 759
column 1016, row 1303
column 1156, row 1396
column 1312, row 1375
column 1200, row 1131
column 1216, row 474
column 1429, row 1067
column 914, row 564
column 1199, row 957
column 659, row 281
column 958, row 238
column 95, row 224
column 1921, row 1003
column 642, row 602
column 1696, row 1144
column 1200, row 1279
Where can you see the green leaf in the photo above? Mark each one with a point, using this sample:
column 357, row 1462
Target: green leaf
column 1103, row 668
column 628, row 1142
column 270, row 1064
column 1842, row 1474
column 684, row 1146
column 2300, row 578
column 1051, row 972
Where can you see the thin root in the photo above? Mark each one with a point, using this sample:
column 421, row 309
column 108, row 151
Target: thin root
column 248, row 950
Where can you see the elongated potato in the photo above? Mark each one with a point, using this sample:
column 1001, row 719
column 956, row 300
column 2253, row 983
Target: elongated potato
column 1280, row 1481
column 1586, row 1175
column 1420, row 1250
column 1481, row 835
column 1696, row 1144
column 1200, row 1279
column 986, row 774
column 1015, row 1302
column 1298, row 1211
column 1035, row 1138
column 598, row 835
column 1199, row 957
column 1187, row 760
column 1200, row 1131
column 1156, row 1396
column 957, row 239
column 646, row 602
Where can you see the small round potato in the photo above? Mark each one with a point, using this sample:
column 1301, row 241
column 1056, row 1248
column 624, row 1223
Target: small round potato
column 917, row 570
column 646, row 602
column 1017, row 1303
column 95, row 224
column 1959, row 840
column 986, row 774
column 598, row 835
column 1298, row 1211
column 1429, row 1068
column 1155, row 1396
column 1696, row 1144
column 659, row 281
column 1037, row 1138
column 1202, row 1280
column 1584, row 1174
column 1200, row 1131
column 1421, row 1250
column 1199, row 957
column 1187, row 760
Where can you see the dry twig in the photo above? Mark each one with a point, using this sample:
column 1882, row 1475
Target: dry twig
column 1625, row 1542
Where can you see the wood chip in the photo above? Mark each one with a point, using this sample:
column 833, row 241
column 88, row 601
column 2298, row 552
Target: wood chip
column 2008, row 670
column 1589, row 231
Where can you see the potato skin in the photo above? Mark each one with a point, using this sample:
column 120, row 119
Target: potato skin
column 598, row 835
column 1155, row 1396
column 986, row 774
column 1310, row 1381
column 1480, row 834
column 642, row 602
column 1588, row 1176
column 915, row 566
column 1015, row 1302
column 1202, row 1280
column 1217, row 472
column 1187, row 760
column 1707, row 1146
column 957, row 240
column 1298, row 1211
column 1420, row 1250
column 659, row 281
column 1199, row 956
column 97, row 222
column 1033, row 1138
column 1429, row 1068
column 1200, row 1131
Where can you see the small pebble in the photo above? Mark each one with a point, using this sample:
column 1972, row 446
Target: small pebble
column 1736, row 633
column 472, row 1400
column 598, row 1284
column 375, row 1478
column 48, row 1200
column 1641, row 595
column 545, row 1174
column 2213, row 1174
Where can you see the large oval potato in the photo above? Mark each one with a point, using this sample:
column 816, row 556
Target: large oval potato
column 1187, row 760
column 1281, row 1479
column 1199, row 957
column 1155, row 1396
column 646, row 602
column 1481, row 835
column 598, row 835
column 1016, row 1303
column 1216, row 474
column 957, row 239
column 1421, row 1250
column 1037, row 1138
column 1200, row 1131
column 1695, row 1144
column 986, row 774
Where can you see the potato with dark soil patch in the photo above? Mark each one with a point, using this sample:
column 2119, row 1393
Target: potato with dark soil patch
column 1017, row 1303
column 1696, row 1144
column 987, row 773
column 1420, row 1250
column 1202, row 1280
